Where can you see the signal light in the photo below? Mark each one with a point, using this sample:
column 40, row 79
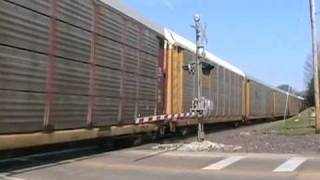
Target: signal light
column 207, row 68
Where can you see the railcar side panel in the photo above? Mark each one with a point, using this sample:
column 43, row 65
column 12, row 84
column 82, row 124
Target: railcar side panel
column 294, row 105
column 279, row 103
column 177, row 80
column 260, row 100
column 76, row 64
column 189, row 82
column 223, row 87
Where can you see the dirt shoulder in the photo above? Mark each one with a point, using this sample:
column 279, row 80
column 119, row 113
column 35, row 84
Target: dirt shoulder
column 258, row 139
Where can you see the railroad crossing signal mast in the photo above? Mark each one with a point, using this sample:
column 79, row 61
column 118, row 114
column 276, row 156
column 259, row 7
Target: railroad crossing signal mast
column 198, row 103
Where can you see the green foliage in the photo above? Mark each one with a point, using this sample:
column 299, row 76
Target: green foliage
column 300, row 124
column 310, row 93
column 309, row 82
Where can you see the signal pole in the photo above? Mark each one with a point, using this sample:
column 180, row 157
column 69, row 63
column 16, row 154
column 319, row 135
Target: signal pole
column 197, row 27
column 201, row 106
column 315, row 62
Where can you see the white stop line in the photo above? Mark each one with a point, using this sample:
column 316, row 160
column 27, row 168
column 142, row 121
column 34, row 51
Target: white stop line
column 223, row 163
column 290, row 165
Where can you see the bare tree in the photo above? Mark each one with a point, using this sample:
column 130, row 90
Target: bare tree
column 308, row 70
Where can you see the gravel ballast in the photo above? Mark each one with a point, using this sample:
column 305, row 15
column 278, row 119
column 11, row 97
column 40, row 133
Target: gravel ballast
column 257, row 138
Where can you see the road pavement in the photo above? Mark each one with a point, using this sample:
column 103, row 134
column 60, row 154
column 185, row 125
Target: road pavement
column 137, row 164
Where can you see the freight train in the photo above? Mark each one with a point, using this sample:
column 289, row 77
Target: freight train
column 79, row 70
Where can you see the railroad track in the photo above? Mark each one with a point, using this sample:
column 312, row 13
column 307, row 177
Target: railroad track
column 53, row 154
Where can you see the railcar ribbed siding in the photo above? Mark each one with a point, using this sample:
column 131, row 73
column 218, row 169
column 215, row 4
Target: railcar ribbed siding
column 188, row 83
column 260, row 101
column 24, row 37
column 294, row 105
column 222, row 86
column 280, row 104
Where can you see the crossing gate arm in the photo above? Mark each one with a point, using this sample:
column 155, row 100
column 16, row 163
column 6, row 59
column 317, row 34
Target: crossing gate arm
column 165, row 117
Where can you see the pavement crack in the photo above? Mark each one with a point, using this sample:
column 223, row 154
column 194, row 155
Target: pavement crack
column 151, row 155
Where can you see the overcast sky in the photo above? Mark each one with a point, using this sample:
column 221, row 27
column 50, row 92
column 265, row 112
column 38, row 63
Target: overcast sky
column 268, row 39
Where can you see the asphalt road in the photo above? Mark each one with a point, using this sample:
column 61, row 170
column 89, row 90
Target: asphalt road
column 137, row 164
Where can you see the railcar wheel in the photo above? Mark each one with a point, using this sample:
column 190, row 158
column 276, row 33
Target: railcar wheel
column 184, row 131
column 153, row 135
column 137, row 141
column 162, row 132
column 236, row 124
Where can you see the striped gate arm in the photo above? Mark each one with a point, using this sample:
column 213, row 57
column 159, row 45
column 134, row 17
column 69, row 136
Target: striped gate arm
column 165, row 117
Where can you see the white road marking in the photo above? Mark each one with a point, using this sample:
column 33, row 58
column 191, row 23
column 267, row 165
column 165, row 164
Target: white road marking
column 290, row 165
column 223, row 163
column 10, row 178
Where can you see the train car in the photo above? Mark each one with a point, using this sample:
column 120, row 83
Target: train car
column 84, row 66
column 280, row 106
column 94, row 68
column 259, row 100
column 235, row 95
column 223, row 86
column 286, row 104
column 295, row 104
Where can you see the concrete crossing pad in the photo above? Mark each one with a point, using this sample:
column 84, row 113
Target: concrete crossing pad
column 128, row 164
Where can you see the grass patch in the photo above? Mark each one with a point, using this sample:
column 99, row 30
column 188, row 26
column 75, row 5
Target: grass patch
column 301, row 124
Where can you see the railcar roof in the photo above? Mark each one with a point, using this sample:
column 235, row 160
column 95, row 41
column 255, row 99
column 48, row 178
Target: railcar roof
column 118, row 5
column 285, row 92
column 174, row 38
column 259, row 81
column 272, row 87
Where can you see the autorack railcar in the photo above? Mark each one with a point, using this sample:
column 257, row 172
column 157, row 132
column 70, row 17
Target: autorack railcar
column 70, row 65
column 259, row 99
column 279, row 103
column 223, row 86
column 295, row 104
column 77, row 70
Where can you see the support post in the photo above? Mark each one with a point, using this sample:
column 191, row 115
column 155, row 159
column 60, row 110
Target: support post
column 286, row 107
column 315, row 62
column 198, row 70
